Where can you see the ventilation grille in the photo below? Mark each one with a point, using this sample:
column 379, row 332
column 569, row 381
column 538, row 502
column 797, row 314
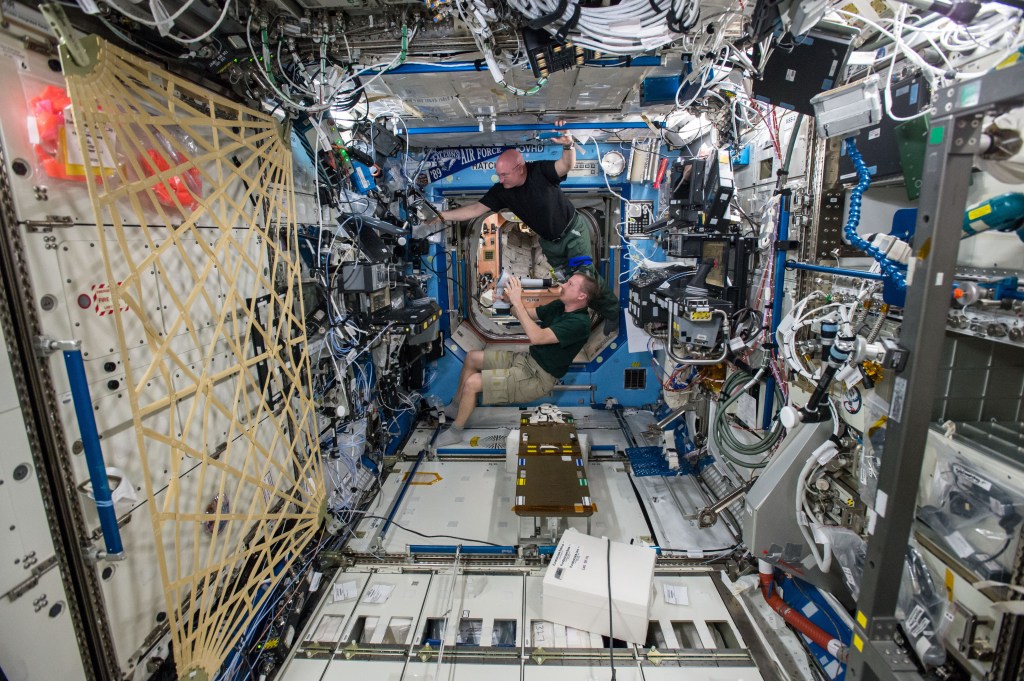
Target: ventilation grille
column 635, row 379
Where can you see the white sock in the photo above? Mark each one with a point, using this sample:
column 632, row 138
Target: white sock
column 449, row 437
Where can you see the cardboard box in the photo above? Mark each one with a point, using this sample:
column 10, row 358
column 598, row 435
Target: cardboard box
column 575, row 591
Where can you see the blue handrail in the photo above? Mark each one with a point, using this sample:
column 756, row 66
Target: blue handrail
column 93, row 452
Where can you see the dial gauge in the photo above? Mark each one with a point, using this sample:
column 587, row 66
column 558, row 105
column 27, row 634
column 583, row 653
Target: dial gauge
column 613, row 163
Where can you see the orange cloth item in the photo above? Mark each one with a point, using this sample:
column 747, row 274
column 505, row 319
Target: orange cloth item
column 178, row 184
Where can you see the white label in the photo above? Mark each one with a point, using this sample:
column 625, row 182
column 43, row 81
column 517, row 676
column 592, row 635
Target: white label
column 973, row 477
column 676, row 595
column 98, row 145
column 345, row 591
column 746, row 409
column 790, row 75
column 917, row 621
column 939, row 278
column 569, row 557
column 861, row 59
column 874, row 134
column 314, row 581
column 809, row 609
column 378, row 593
column 33, row 132
column 899, row 393
column 960, row 545
column 881, row 502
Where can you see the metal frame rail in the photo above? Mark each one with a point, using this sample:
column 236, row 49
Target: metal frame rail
column 954, row 139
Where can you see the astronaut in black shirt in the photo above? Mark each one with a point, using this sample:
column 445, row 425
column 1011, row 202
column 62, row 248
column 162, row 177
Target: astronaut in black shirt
column 531, row 191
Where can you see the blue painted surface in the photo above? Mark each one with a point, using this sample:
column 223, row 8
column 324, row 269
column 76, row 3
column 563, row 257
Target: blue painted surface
column 472, row 66
column 807, row 600
column 741, row 158
column 857, row 274
column 469, row 550
column 523, row 127
column 904, row 222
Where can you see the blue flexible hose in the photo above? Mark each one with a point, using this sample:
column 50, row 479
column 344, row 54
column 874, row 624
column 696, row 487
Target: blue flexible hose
column 892, row 270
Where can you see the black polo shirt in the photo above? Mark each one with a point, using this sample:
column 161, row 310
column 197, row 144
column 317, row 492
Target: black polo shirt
column 538, row 202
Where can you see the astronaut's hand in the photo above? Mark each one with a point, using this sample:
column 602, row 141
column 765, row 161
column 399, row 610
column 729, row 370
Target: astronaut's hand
column 565, row 138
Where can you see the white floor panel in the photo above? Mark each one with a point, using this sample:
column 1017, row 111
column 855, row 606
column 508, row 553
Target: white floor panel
column 392, row 671
column 473, row 500
column 412, row 612
column 487, row 427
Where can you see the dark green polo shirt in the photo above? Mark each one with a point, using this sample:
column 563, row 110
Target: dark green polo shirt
column 572, row 330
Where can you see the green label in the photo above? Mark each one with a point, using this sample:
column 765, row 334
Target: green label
column 938, row 132
column 970, row 93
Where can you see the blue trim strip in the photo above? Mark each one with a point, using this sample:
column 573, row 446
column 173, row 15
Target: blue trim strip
column 470, row 450
column 527, row 127
column 93, row 452
column 780, row 287
column 470, row 550
column 842, row 272
column 469, row 66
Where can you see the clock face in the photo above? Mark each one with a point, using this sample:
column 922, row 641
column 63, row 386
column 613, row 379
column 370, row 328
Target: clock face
column 613, row 163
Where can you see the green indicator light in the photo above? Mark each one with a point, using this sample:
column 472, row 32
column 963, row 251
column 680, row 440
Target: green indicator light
column 937, row 134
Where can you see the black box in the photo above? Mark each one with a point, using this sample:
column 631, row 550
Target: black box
column 801, row 67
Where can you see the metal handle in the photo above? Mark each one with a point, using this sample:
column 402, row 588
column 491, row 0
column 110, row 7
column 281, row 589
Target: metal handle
column 672, row 309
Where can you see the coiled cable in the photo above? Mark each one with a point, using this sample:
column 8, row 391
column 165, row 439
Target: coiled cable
column 728, row 444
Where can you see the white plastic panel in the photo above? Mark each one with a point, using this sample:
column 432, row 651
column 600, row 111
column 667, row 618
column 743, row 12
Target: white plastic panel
column 26, row 536
column 38, row 639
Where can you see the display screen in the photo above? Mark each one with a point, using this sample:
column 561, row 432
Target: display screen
column 717, row 251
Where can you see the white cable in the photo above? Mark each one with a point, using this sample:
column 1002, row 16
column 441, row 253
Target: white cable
column 629, row 27
column 327, row 101
column 803, row 515
column 200, row 38
column 150, row 22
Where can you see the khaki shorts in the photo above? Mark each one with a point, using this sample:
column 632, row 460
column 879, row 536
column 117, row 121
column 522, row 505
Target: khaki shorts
column 513, row 377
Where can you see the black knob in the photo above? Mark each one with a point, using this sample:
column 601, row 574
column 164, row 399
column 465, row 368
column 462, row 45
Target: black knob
column 113, row 385
column 109, row 366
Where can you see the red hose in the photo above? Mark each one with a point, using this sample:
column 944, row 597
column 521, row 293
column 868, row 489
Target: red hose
column 794, row 619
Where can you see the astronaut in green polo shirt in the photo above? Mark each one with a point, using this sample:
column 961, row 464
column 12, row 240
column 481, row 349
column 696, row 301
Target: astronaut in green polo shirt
column 557, row 332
